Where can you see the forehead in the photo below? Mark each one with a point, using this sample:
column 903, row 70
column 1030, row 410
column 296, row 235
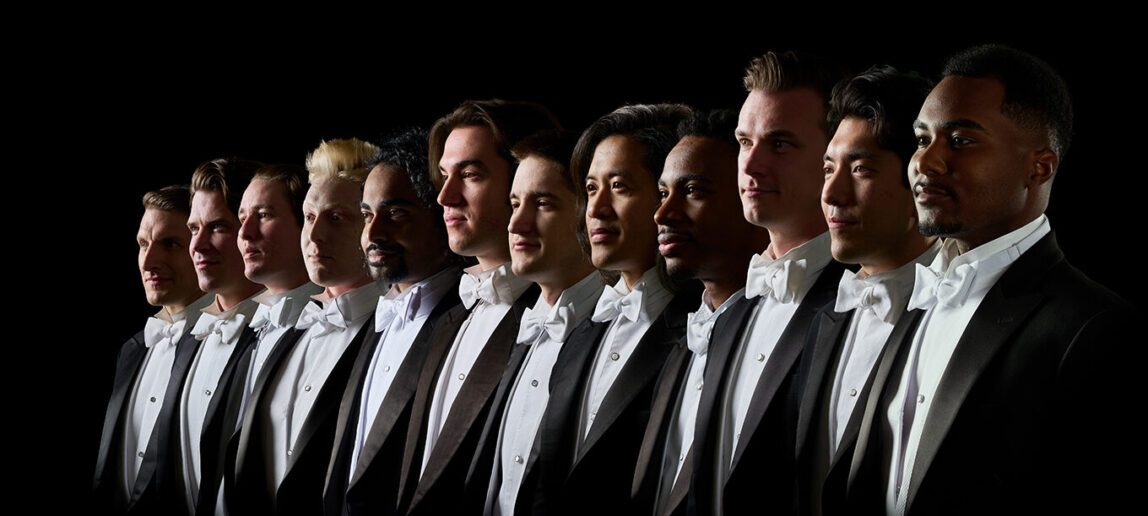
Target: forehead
column 163, row 224
column 209, row 205
column 796, row 110
column 538, row 174
column 618, row 153
column 468, row 143
column 853, row 135
column 262, row 191
column 965, row 98
column 704, row 156
column 387, row 182
column 332, row 192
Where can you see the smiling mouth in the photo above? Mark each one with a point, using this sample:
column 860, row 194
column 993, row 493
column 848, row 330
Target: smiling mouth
column 601, row 235
column 929, row 193
column 453, row 220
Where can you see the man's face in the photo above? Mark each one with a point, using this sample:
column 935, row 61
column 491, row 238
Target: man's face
column 621, row 199
column 869, row 211
column 699, row 215
column 971, row 170
column 165, row 264
column 402, row 239
column 475, row 183
column 214, row 250
column 545, row 220
column 782, row 143
column 269, row 236
column 332, row 227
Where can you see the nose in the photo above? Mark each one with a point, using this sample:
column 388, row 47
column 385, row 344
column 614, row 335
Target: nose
column 598, row 205
column 373, row 230
column 522, row 220
column 247, row 228
column 928, row 160
column 751, row 160
column 449, row 195
column 200, row 242
column 669, row 211
column 838, row 188
column 148, row 259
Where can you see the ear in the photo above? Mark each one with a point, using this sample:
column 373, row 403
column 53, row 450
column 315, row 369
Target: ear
column 1044, row 163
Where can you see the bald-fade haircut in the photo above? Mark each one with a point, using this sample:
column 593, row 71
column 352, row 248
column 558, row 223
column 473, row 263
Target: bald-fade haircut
column 344, row 158
column 509, row 122
column 890, row 101
column 778, row 72
column 228, row 176
column 294, row 181
column 174, row 198
column 1035, row 96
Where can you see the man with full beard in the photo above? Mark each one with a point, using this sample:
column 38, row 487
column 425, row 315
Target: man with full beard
column 404, row 238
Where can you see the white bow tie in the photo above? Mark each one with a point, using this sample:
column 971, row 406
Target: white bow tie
column 699, row 326
column 268, row 318
column 406, row 304
column 158, row 330
column 931, row 287
column 862, row 294
column 611, row 304
column 472, row 288
column 226, row 329
column 536, row 322
column 327, row 319
column 779, row 278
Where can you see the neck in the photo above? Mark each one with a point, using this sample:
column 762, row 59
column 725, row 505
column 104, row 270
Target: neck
column 228, row 300
column 907, row 252
column 338, row 290
column 783, row 240
column 721, row 290
column 406, row 283
column 290, row 280
column 490, row 261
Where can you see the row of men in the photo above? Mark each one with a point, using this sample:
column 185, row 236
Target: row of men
column 843, row 358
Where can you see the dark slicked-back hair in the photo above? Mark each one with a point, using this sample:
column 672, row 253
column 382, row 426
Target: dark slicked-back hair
column 889, row 100
column 294, row 181
column 228, row 176
column 175, row 198
column 718, row 124
column 654, row 126
column 1035, row 96
column 508, row 121
column 777, row 72
column 554, row 145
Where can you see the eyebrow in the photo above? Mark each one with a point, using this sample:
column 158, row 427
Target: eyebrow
column 387, row 204
column 466, row 163
column 960, row 123
column 853, row 155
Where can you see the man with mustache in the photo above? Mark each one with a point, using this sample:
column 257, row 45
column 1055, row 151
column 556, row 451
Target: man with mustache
column 600, row 391
column 702, row 235
column 134, row 466
column 1008, row 396
column 404, row 238
column 289, row 421
column 225, row 337
column 470, row 156
column 743, row 442
column 872, row 222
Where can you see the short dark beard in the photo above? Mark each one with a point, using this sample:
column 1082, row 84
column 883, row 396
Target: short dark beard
column 941, row 230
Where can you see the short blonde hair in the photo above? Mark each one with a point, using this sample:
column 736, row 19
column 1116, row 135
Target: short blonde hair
column 344, row 158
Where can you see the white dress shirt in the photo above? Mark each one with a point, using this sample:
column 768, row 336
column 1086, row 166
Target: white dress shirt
column 632, row 312
column 218, row 331
column 699, row 331
column 399, row 317
column 161, row 335
column 297, row 384
column 489, row 295
column 544, row 328
column 276, row 315
column 782, row 283
column 878, row 302
column 950, row 290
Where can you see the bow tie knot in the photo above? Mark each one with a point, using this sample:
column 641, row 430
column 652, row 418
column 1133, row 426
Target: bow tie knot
column 779, row 278
column 864, row 294
column 699, row 326
column 225, row 329
column 158, row 330
column 612, row 304
column 535, row 322
column 326, row 320
column 473, row 288
column 404, row 306
column 951, row 289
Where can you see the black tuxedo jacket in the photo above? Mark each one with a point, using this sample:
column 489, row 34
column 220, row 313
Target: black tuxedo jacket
column 373, row 487
column 156, row 491
column 762, row 472
column 301, row 491
column 597, row 475
column 821, row 477
column 1028, row 416
column 648, row 471
column 461, row 462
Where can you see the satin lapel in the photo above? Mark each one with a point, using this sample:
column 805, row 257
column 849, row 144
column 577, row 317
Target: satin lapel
column 559, row 427
column 493, row 423
column 251, row 426
column 681, row 487
column 831, row 327
column 220, row 400
column 128, row 363
column 789, row 347
column 327, row 402
column 348, row 406
column 661, row 413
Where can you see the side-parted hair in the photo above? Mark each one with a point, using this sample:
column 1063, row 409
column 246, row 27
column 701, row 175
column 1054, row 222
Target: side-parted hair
column 343, row 158
column 228, row 176
column 717, row 124
column 1035, row 96
column 555, row 146
column 777, row 72
column 175, row 198
column 294, row 181
column 890, row 101
column 509, row 122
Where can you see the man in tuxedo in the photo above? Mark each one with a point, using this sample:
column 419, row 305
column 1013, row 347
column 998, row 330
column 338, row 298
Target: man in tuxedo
column 702, row 235
column 872, row 223
column 744, row 439
column 470, row 158
column 133, row 470
column 544, row 200
column 1004, row 399
column 604, row 375
column 271, row 219
column 217, row 187
column 404, row 238
column 289, row 422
